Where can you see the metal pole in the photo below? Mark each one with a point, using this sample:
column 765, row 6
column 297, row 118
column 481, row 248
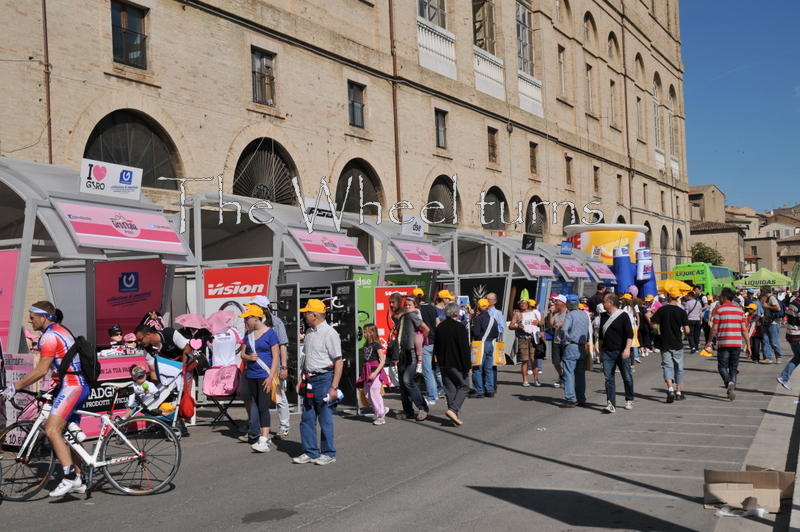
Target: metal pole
column 277, row 264
column 91, row 310
column 384, row 256
column 197, row 221
column 456, row 283
column 166, row 296
column 21, row 281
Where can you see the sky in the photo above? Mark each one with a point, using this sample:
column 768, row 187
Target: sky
column 742, row 97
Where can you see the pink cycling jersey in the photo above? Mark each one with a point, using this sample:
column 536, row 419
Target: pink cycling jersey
column 55, row 342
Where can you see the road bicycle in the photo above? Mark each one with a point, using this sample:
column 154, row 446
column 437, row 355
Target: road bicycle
column 138, row 455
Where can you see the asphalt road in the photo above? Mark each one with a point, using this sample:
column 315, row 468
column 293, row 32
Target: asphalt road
column 518, row 463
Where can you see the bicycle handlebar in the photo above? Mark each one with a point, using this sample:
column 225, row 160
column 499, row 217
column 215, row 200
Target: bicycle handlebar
column 40, row 396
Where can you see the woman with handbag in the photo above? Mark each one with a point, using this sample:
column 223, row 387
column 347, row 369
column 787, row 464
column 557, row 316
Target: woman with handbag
column 261, row 356
column 525, row 323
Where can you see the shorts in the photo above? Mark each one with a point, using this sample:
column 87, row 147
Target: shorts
column 558, row 353
column 525, row 348
column 68, row 400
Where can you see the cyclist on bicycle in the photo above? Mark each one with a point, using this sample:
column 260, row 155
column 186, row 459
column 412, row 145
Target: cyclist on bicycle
column 73, row 392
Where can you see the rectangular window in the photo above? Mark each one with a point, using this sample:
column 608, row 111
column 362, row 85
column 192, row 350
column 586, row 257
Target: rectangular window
column 678, row 206
column 263, row 77
column 619, row 186
column 638, row 117
column 596, row 178
column 644, row 194
column 492, row 139
column 128, row 35
column 612, row 109
column 434, row 11
column 441, row 128
column 568, row 161
column 483, row 24
column 561, row 71
column 525, row 40
column 657, row 122
column 754, row 250
column 588, row 88
column 663, row 202
column 534, row 149
column 671, row 132
column 355, row 104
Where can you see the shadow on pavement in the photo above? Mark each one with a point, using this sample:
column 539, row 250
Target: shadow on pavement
column 594, row 513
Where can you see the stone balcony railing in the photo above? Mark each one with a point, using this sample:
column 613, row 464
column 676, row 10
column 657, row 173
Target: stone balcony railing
column 530, row 94
column 437, row 48
column 489, row 73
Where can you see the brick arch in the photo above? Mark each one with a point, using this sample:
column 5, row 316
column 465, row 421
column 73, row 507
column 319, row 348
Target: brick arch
column 384, row 182
column 116, row 101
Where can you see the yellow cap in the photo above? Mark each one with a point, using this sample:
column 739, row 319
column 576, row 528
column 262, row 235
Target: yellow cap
column 252, row 310
column 314, row 305
column 752, row 306
column 532, row 302
column 417, row 292
column 626, row 296
column 445, row 294
column 483, row 303
column 649, row 297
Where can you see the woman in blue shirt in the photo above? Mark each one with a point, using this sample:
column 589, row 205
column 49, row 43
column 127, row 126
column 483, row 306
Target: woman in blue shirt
column 261, row 355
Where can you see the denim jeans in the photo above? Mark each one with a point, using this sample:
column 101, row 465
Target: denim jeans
column 574, row 373
column 316, row 409
column 433, row 378
column 771, row 336
column 484, row 377
column 672, row 365
column 794, row 362
column 611, row 361
column 410, row 392
column 728, row 363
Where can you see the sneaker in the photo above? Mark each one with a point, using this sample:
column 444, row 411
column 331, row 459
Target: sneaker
column 680, row 396
column 609, row 409
column 784, row 383
column 557, row 384
column 765, row 361
column 441, row 395
column 454, row 418
column 569, row 404
column 184, row 432
column 403, row 415
column 525, row 384
column 282, row 434
column 247, row 439
column 731, row 391
column 670, row 396
column 69, row 486
column 637, row 360
column 422, row 415
column 262, row 445
column 778, row 360
column 490, row 395
column 244, row 429
column 324, row 459
column 430, row 402
column 476, row 396
column 628, row 405
column 537, row 383
column 379, row 421
column 303, row 459
column 530, row 372
column 386, row 411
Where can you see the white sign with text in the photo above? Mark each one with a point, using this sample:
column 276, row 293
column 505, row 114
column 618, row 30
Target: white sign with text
column 110, row 180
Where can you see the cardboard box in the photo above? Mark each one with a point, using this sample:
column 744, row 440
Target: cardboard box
column 767, row 486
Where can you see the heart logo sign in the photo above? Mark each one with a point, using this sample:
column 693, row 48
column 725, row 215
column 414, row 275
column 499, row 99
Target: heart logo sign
column 196, row 343
column 99, row 172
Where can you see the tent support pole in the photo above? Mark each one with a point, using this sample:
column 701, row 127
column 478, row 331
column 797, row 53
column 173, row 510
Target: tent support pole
column 456, row 282
column 384, row 256
column 166, row 295
column 198, row 255
column 21, row 282
column 91, row 310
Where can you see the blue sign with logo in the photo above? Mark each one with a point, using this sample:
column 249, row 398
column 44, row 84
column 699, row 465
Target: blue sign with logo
column 129, row 282
column 566, row 247
column 126, row 177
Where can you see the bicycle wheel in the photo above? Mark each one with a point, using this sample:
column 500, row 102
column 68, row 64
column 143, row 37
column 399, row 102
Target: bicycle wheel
column 24, row 476
column 157, row 462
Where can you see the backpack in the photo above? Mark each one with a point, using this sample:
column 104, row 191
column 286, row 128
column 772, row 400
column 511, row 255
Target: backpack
column 782, row 312
column 90, row 365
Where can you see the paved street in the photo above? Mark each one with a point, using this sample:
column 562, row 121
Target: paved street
column 518, row 463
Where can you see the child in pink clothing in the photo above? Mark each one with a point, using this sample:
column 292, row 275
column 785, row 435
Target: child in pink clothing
column 372, row 373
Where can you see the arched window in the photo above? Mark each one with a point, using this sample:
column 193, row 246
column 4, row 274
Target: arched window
column 671, row 113
column 570, row 218
column 442, row 191
column 353, row 170
column 131, row 138
column 491, row 213
column 620, row 219
column 678, row 247
column 265, row 171
column 562, row 10
column 664, row 247
column 612, row 47
column 589, row 30
column 656, row 110
column 648, row 236
column 536, row 224
column 638, row 72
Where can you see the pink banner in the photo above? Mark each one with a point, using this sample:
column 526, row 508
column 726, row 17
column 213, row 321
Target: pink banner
column 109, row 228
column 124, row 292
column 572, row 267
column 8, row 276
column 329, row 247
column 17, row 366
column 536, row 265
column 422, row 256
column 603, row 272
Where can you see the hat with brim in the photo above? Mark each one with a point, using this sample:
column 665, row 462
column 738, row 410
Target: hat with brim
column 261, row 301
column 418, row 292
column 252, row 310
column 445, row 294
column 483, row 303
column 626, row 296
column 314, row 305
column 649, row 297
column 559, row 297
column 752, row 306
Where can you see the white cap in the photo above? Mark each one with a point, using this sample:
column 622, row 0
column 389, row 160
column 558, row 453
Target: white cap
column 261, row 301
column 561, row 297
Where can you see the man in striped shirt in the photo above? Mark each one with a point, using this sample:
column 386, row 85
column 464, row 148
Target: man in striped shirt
column 730, row 329
column 793, row 337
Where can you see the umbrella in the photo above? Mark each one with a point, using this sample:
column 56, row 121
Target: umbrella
column 193, row 321
column 220, row 321
column 665, row 285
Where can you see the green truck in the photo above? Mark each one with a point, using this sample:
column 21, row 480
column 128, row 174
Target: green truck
column 712, row 279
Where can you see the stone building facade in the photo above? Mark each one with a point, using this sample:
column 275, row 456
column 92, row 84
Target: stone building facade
column 529, row 101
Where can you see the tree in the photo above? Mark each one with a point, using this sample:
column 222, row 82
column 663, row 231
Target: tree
column 702, row 253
